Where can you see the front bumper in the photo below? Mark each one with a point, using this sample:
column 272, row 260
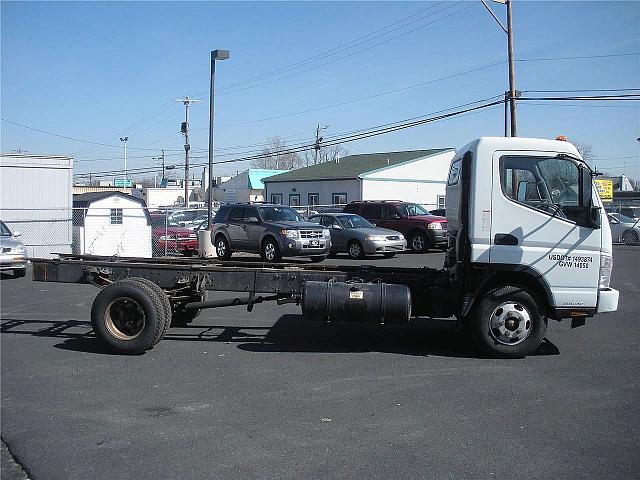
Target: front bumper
column 607, row 300
column 296, row 247
column 13, row 261
column 384, row 246
column 182, row 245
column 438, row 237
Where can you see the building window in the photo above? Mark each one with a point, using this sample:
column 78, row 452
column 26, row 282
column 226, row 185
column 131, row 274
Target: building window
column 441, row 201
column 116, row 216
column 339, row 198
column 314, row 199
column 276, row 198
column 294, row 199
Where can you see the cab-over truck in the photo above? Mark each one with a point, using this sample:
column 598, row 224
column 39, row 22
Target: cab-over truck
column 528, row 242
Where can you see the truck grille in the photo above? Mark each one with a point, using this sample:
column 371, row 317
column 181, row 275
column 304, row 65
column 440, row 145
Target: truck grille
column 6, row 249
column 310, row 233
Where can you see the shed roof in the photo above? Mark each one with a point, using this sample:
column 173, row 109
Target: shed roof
column 353, row 166
column 257, row 174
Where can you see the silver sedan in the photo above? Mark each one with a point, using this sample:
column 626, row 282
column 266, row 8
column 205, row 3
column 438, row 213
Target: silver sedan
column 356, row 236
column 13, row 255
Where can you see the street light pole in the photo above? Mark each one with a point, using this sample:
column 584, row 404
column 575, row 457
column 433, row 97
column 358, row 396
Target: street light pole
column 215, row 55
column 125, row 140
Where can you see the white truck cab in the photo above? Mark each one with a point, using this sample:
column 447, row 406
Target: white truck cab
column 523, row 214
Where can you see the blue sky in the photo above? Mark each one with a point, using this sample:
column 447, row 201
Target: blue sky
column 98, row 71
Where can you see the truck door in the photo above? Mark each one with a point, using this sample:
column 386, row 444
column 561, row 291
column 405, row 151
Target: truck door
column 236, row 233
column 540, row 223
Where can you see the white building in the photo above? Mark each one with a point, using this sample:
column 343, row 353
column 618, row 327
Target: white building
column 247, row 186
column 35, row 199
column 111, row 223
column 415, row 176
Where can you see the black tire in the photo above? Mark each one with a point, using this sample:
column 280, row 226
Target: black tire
column 630, row 237
column 355, row 250
column 19, row 272
column 183, row 317
column 419, row 242
column 389, row 255
column 507, row 322
column 129, row 316
column 317, row 258
column 222, row 248
column 160, row 294
column 270, row 251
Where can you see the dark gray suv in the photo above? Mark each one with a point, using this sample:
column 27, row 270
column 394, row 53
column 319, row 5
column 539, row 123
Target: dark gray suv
column 273, row 231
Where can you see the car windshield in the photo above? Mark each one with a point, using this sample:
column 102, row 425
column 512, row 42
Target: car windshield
column 279, row 214
column 160, row 221
column 354, row 221
column 4, row 231
column 412, row 210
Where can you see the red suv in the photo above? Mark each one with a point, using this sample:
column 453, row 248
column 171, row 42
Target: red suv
column 169, row 238
column 421, row 229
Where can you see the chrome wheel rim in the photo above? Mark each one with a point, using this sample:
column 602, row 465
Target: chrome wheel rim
column 418, row 242
column 354, row 250
column 221, row 248
column 269, row 251
column 510, row 323
column 124, row 318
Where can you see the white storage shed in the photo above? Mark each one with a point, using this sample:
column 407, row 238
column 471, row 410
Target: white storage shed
column 414, row 176
column 111, row 223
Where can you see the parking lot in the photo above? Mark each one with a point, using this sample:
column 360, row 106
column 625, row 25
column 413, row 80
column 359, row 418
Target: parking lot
column 268, row 395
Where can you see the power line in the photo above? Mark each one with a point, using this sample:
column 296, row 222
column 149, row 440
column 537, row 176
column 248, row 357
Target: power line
column 579, row 57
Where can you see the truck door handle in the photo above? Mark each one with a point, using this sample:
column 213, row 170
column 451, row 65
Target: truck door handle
column 505, row 239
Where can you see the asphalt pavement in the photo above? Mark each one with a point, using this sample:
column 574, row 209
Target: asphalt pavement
column 240, row 395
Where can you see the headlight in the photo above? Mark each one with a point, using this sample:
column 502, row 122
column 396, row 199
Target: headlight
column 435, row 226
column 377, row 238
column 290, row 233
column 193, row 235
column 19, row 249
column 326, row 232
column 606, row 265
column 164, row 238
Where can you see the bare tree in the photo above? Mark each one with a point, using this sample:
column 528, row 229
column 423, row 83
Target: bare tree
column 278, row 156
column 325, row 154
column 586, row 151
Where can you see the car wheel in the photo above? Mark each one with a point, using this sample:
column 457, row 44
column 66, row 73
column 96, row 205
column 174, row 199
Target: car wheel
column 630, row 237
column 222, row 248
column 507, row 322
column 270, row 251
column 419, row 242
column 355, row 250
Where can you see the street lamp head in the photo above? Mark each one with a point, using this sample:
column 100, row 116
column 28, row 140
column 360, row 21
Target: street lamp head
column 124, row 139
column 219, row 54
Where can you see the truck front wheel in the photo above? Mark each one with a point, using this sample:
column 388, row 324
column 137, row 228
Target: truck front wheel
column 507, row 322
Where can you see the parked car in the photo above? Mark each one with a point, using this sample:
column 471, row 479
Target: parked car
column 624, row 229
column 631, row 212
column 185, row 217
column 168, row 236
column 353, row 234
column 421, row 229
column 273, row 231
column 13, row 254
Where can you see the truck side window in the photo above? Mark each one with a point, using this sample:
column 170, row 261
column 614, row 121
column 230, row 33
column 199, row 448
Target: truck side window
column 543, row 183
column 236, row 214
column 372, row 211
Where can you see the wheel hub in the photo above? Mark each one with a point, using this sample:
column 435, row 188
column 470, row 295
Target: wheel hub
column 124, row 318
column 510, row 323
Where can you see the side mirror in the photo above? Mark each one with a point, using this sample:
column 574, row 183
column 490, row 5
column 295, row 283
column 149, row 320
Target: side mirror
column 253, row 220
column 335, row 226
column 373, row 224
column 17, row 234
column 594, row 217
column 586, row 188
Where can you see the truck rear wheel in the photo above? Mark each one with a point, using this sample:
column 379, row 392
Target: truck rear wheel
column 129, row 316
column 507, row 322
column 160, row 295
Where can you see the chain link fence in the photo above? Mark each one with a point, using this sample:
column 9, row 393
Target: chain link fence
column 624, row 220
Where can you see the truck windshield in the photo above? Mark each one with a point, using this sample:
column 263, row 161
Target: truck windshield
column 279, row 214
column 412, row 210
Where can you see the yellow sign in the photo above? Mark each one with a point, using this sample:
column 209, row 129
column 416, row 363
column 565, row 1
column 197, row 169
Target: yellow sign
column 605, row 189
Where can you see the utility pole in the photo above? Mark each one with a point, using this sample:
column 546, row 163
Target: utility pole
column 162, row 164
column 125, row 140
column 512, row 72
column 184, row 129
column 316, row 147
